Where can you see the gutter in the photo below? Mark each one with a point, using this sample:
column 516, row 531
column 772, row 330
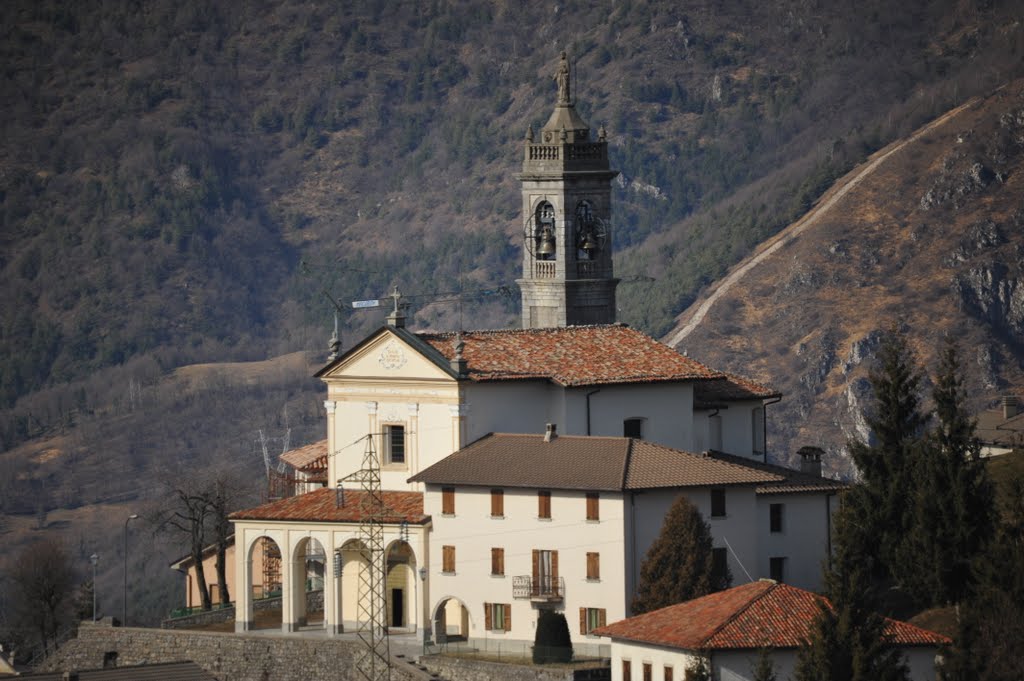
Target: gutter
column 592, row 392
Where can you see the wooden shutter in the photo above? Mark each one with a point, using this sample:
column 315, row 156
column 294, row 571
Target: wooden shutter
column 593, row 566
column 543, row 504
column 602, row 617
column 536, row 567
column 497, row 561
column 487, row 616
column 448, row 500
column 668, row 673
column 448, row 558
column 593, row 510
column 627, row 671
column 497, row 502
column 554, row 569
column 508, row 617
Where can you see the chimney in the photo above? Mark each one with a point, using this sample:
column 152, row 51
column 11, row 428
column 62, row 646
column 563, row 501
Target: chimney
column 550, row 432
column 1009, row 406
column 339, row 496
column 458, row 363
column 810, row 460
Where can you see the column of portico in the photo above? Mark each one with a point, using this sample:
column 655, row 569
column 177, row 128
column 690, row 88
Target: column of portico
column 332, row 589
column 294, row 612
column 244, row 618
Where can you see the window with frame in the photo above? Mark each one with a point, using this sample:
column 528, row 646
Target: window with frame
column 497, row 503
column 592, row 618
column 593, row 506
column 633, row 428
column 448, row 559
column 719, row 564
column 668, row 673
column 648, row 672
column 757, row 426
column 447, row 501
column 394, row 445
column 718, row 502
column 544, row 504
column 777, row 568
column 498, row 616
column 593, row 566
column 498, row 562
column 627, row 670
column 775, row 513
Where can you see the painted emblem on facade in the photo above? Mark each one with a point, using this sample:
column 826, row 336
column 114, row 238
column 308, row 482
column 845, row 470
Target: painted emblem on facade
column 392, row 357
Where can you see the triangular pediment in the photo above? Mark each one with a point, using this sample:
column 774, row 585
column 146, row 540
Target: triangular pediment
column 389, row 354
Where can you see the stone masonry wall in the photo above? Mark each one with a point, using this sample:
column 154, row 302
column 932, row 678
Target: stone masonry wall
column 459, row 669
column 228, row 657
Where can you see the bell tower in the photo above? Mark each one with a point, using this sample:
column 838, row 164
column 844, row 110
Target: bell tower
column 567, row 233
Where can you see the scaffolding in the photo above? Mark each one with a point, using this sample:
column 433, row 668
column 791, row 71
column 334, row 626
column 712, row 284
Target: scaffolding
column 375, row 663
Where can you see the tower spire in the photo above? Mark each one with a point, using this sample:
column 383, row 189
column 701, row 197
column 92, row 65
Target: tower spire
column 566, row 189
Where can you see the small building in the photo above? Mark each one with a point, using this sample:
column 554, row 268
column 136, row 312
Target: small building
column 1001, row 430
column 731, row 627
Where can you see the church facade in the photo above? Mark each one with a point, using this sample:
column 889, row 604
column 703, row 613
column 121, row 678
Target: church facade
column 530, row 469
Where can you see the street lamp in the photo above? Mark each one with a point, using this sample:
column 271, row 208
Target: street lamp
column 94, row 558
column 124, row 612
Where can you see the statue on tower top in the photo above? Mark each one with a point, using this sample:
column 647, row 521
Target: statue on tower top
column 562, row 77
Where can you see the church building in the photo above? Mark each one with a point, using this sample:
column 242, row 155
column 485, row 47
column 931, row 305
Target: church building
column 511, row 471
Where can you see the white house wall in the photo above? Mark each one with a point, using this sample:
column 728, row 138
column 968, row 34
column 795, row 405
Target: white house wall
column 473, row 532
column 737, row 527
column 657, row 656
column 804, row 539
column 738, row 430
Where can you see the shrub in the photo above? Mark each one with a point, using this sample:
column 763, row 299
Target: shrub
column 552, row 642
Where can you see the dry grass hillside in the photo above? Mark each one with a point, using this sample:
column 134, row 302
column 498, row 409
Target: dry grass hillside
column 930, row 240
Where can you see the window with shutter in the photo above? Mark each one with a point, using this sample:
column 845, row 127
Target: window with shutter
column 717, row 503
column 447, row 501
column 668, row 673
column 448, row 559
column 593, row 566
column 544, row 504
column 627, row 671
column 648, row 672
column 498, row 562
column 593, row 509
column 497, row 503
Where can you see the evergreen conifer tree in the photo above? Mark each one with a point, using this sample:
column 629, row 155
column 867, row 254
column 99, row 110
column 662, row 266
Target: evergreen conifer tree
column 885, row 464
column 699, row 669
column 952, row 517
column 847, row 641
column 764, row 668
column 679, row 565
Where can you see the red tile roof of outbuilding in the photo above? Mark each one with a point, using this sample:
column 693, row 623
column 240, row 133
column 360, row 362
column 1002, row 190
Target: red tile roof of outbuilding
column 755, row 615
column 322, row 506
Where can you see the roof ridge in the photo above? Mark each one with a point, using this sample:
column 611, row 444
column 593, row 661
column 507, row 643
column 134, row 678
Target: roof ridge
column 732, row 618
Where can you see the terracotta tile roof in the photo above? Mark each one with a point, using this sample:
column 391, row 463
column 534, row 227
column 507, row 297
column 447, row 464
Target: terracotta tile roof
column 792, row 480
column 312, row 457
column 583, row 462
column 755, row 615
column 321, row 506
column 569, row 356
column 730, row 388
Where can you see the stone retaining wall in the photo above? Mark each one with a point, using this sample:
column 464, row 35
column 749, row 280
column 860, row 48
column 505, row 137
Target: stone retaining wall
column 461, row 669
column 228, row 657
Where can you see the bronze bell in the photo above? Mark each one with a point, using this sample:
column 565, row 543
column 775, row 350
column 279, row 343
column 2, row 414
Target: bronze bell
column 546, row 245
column 589, row 245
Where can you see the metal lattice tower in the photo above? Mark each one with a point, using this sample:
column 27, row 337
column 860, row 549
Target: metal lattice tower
column 375, row 663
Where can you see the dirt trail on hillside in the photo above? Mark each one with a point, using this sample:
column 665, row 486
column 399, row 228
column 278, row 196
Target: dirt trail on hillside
column 690, row 318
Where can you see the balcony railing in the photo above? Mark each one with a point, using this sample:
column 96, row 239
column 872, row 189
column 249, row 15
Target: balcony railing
column 543, row 588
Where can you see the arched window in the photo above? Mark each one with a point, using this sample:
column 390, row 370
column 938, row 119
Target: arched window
column 544, row 246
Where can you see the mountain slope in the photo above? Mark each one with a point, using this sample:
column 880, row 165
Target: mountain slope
column 928, row 237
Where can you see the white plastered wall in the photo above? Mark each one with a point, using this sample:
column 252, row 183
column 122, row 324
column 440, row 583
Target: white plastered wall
column 657, row 656
column 804, row 539
column 473, row 533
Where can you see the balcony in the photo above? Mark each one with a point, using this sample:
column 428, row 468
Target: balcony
column 543, row 589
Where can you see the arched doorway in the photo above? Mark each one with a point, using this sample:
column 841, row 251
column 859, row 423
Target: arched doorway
column 399, row 586
column 451, row 621
column 308, row 590
column 264, row 584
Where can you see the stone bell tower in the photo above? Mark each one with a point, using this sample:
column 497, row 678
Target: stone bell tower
column 567, row 231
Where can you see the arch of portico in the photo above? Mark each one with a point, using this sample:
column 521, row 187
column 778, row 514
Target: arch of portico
column 400, row 587
column 261, row 552
column 451, row 620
